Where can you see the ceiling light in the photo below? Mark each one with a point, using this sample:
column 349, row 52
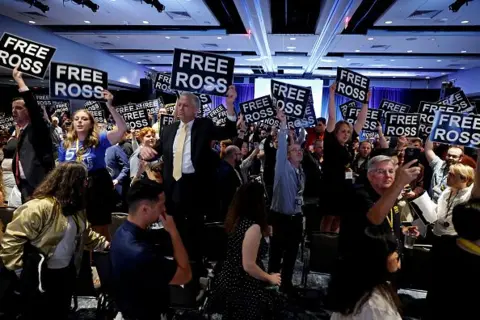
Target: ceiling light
column 167, row 37
column 290, row 58
column 427, row 77
column 439, row 60
column 292, row 48
column 219, row 38
column 145, row 22
column 392, row 60
column 159, row 56
column 31, row 22
column 410, row 51
column 138, row 62
column 420, row 67
column 444, row 19
column 87, row 22
column 432, row 39
column 122, row 56
column 328, row 60
column 388, row 22
column 370, row 39
column 229, row 49
column 464, row 51
column 293, row 38
column 349, row 59
column 462, row 68
column 357, row 50
column 444, row 73
column 465, row 22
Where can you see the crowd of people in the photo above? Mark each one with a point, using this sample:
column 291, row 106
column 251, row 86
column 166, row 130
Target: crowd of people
column 272, row 188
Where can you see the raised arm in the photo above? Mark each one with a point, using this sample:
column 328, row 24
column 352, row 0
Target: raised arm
column 362, row 115
column 381, row 138
column 115, row 135
column 429, row 153
column 230, row 129
column 332, row 113
column 282, row 152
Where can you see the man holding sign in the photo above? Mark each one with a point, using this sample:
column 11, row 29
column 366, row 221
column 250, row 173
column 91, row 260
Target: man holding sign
column 189, row 166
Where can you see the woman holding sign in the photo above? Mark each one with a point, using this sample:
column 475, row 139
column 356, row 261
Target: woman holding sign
column 86, row 144
column 337, row 158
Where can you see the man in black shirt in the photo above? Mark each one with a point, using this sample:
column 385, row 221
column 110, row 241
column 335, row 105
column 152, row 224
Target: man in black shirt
column 375, row 203
column 140, row 272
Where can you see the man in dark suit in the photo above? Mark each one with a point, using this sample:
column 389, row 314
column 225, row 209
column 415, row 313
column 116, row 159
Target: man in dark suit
column 189, row 166
column 33, row 158
column 229, row 179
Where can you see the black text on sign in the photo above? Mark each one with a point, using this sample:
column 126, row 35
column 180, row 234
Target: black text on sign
column 32, row 57
column 77, row 82
column 352, row 85
column 401, row 124
column 201, row 72
column 257, row 109
column 457, row 129
column 293, row 100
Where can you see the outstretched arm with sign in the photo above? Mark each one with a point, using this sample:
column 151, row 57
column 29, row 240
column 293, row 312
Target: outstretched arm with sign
column 332, row 113
column 115, row 135
column 362, row 116
column 230, row 128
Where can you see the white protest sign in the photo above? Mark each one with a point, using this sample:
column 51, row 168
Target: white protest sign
column 343, row 107
column 201, row 72
column 96, row 109
column 135, row 115
column 352, row 85
column 218, row 115
column 68, row 81
column 460, row 100
column 391, row 106
column 32, row 57
column 6, row 122
column 373, row 116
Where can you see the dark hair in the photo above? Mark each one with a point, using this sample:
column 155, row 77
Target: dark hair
column 466, row 219
column 17, row 98
column 354, row 281
column 248, row 203
column 322, row 120
column 143, row 190
column 67, row 184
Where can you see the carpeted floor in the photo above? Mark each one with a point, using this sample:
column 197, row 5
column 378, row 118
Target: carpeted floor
column 308, row 305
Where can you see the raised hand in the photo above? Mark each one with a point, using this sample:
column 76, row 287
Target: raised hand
column 17, row 76
column 333, row 87
column 231, row 94
column 281, row 116
column 107, row 95
column 407, row 173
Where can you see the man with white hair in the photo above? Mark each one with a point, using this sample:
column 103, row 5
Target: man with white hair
column 375, row 203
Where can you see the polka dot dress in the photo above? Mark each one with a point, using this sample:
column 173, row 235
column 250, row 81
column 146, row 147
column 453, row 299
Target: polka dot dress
column 237, row 295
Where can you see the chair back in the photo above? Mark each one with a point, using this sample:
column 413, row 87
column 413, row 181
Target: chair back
column 117, row 219
column 6, row 215
column 323, row 252
column 215, row 245
column 104, row 269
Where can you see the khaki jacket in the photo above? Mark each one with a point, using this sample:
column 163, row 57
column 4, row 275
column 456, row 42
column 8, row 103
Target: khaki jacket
column 41, row 222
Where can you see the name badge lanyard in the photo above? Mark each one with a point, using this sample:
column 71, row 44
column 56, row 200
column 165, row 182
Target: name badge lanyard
column 78, row 157
column 390, row 219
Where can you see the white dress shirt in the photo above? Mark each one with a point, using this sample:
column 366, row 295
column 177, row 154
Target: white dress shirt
column 187, row 165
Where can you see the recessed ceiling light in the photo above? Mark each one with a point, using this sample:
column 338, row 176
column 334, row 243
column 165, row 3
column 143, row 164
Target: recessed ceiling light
column 145, row 22
column 444, row 19
column 370, row 39
column 349, row 59
column 293, row 48
column 219, row 38
column 427, row 77
column 439, row 60
column 87, row 22
column 464, row 51
column 444, row 73
column 31, row 22
column 122, row 56
column 420, row 67
column 159, row 56
column 462, row 68
column 229, row 49
column 392, row 60
column 410, row 51
column 138, row 62
column 357, row 50
column 432, row 39
column 465, row 22
column 388, row 22
column 293, row 38
column 167, row 37
column 290, row 58
column 290, row 50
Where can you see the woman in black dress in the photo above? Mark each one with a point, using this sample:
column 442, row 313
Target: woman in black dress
column 241, row 290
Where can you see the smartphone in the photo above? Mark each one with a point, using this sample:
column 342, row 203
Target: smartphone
column 255, row 145
column 412, row 154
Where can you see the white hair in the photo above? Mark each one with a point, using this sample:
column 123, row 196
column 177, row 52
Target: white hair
column 193, row 98
column 372, row 163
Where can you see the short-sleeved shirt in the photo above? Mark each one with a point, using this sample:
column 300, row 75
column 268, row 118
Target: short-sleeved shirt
column 140, row 274
column 93, row 158
column 352, row 229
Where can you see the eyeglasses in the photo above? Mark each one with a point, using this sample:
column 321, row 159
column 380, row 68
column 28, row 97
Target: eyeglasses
column 384, row 171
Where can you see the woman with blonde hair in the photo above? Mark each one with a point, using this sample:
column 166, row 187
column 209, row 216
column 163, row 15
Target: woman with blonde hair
column 85, row 143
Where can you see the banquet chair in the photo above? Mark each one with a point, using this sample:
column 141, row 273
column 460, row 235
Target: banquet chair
column 322, row 255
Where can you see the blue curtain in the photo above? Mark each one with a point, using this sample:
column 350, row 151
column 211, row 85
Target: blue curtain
column 245, row 92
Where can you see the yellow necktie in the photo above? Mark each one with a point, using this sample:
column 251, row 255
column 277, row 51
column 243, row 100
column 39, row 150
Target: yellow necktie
column 178, row 156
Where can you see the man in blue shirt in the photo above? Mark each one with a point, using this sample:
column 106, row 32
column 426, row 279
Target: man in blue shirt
column 286, row 215
column 140, row 273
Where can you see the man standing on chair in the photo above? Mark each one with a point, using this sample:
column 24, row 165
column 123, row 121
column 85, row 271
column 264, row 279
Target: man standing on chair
column 190, row 167
column 33, row 158
column 286, row 217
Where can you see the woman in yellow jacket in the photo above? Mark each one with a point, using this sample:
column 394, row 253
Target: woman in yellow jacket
column 54, row 223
